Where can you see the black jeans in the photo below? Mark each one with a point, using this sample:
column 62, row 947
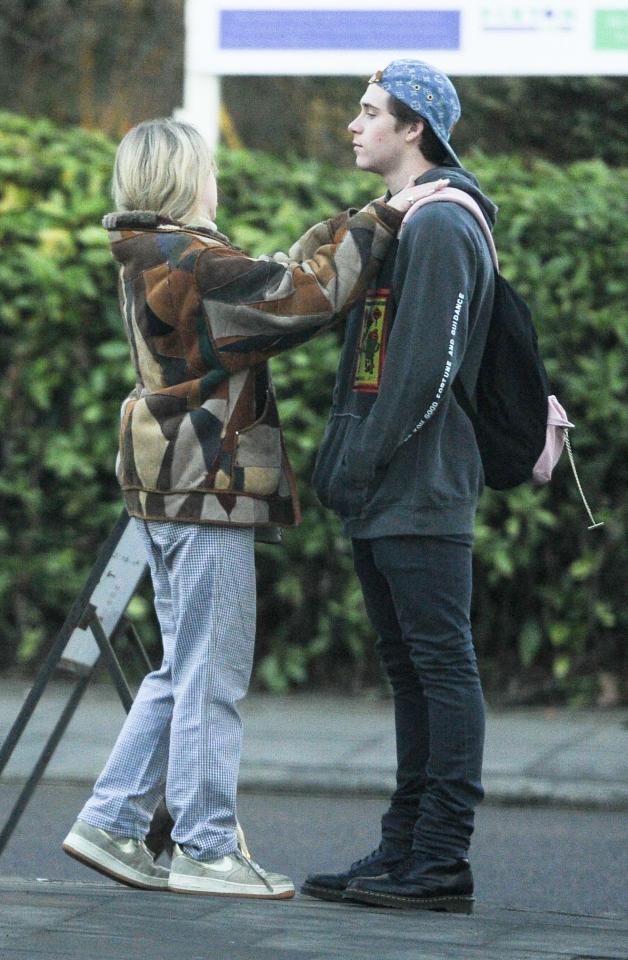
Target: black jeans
column 417, row 592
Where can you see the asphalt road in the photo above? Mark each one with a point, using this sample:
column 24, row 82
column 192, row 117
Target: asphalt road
column 529, row 857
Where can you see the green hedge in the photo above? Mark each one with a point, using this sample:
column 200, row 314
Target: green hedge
column 548, row 599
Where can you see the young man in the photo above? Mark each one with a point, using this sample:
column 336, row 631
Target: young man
column 399, row 463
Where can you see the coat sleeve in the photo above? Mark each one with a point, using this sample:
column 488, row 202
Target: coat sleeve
column 433, row 286
column 257, row 308
column 329, row 231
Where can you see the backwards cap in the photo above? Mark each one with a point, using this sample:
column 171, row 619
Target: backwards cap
column 428, row 92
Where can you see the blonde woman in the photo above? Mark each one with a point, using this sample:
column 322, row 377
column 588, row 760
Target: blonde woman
column 203, row 470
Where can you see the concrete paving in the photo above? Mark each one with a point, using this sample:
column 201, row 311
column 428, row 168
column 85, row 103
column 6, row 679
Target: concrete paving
column 314, row 743
column 98, row 921
column 324, row 743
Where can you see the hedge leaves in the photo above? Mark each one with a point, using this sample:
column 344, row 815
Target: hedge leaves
column 549, row 598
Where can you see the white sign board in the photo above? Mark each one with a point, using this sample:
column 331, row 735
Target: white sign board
column 331, row 37
column 117, row 583
column 357, row 37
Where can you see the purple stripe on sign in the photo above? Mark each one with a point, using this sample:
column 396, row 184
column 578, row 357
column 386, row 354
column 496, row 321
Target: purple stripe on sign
column 339, row 30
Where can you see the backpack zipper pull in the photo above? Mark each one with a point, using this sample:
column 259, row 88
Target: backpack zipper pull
column 594, row 525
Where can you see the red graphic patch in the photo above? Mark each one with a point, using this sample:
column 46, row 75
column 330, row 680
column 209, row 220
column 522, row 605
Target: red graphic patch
column 371, row 348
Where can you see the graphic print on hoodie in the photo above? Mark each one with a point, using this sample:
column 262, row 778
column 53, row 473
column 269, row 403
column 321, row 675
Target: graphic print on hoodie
column 371, row 347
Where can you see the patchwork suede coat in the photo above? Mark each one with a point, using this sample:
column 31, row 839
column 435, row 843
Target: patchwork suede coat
column 200, row 438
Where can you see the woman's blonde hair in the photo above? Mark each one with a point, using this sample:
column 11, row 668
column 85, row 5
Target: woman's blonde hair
column 162, row 165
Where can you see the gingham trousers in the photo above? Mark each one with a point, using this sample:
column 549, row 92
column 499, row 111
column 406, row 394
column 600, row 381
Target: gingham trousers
column 182, row 737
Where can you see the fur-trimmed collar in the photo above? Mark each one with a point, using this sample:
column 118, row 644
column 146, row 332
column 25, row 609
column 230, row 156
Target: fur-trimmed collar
column 148, row 220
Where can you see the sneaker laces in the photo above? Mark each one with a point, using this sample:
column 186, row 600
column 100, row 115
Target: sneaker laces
column 153, row 856
column 242, row 844
column 247, row 861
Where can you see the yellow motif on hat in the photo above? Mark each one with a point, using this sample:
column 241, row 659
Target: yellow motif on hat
column 377, row 76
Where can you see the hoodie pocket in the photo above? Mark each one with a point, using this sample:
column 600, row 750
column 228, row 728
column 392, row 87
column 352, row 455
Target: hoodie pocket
column 333, row 488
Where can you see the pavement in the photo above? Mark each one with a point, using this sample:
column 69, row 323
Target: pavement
column 320, row 743
column 91, row 921
column 315, row 744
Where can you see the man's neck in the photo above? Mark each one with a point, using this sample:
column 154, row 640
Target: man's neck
column 411, row 168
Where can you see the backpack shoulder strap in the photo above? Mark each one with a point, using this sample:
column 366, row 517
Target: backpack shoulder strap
column 453, row 195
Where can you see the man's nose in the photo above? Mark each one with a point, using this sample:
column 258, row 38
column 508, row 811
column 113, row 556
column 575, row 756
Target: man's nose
column 353, row 126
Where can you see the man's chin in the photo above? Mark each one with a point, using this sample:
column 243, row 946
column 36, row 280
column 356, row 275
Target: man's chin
column 363, row 164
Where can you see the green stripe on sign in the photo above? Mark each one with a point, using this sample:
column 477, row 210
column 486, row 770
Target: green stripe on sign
column 611, row 29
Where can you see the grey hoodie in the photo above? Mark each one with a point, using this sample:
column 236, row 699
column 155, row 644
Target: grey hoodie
column 399, row 455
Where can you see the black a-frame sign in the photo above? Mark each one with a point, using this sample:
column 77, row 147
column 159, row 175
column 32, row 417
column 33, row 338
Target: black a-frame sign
column 86, row 639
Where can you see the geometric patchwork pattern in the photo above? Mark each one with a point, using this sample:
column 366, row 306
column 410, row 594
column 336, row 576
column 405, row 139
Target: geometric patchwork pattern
column 200, row 438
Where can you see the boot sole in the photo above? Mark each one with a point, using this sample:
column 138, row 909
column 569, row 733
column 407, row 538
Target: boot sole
column 322, row 893
column 110, row 871
column 283, row 895
column 437, row 904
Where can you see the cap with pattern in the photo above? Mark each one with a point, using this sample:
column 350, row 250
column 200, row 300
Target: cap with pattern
column 428, row 92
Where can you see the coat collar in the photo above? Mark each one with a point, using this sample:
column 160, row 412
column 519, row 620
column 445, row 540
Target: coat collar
column 148, row 220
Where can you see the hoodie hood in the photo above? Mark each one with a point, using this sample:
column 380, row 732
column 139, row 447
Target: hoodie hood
column 462, row 179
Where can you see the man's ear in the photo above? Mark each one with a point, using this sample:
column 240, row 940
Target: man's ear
column 415, row 131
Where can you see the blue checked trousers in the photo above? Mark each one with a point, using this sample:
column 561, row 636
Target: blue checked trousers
column 182, row 737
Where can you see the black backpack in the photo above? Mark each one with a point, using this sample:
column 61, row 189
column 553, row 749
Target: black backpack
column 509, row 415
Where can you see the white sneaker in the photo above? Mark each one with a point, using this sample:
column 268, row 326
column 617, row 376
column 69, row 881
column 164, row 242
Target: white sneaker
column 233, row 875
column 122, row 858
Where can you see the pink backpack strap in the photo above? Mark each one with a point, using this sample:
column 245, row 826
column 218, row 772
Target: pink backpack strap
column 452, row 195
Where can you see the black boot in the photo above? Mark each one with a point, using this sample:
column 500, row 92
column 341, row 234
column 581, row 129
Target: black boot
column 415, row 885
column 331, row 886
